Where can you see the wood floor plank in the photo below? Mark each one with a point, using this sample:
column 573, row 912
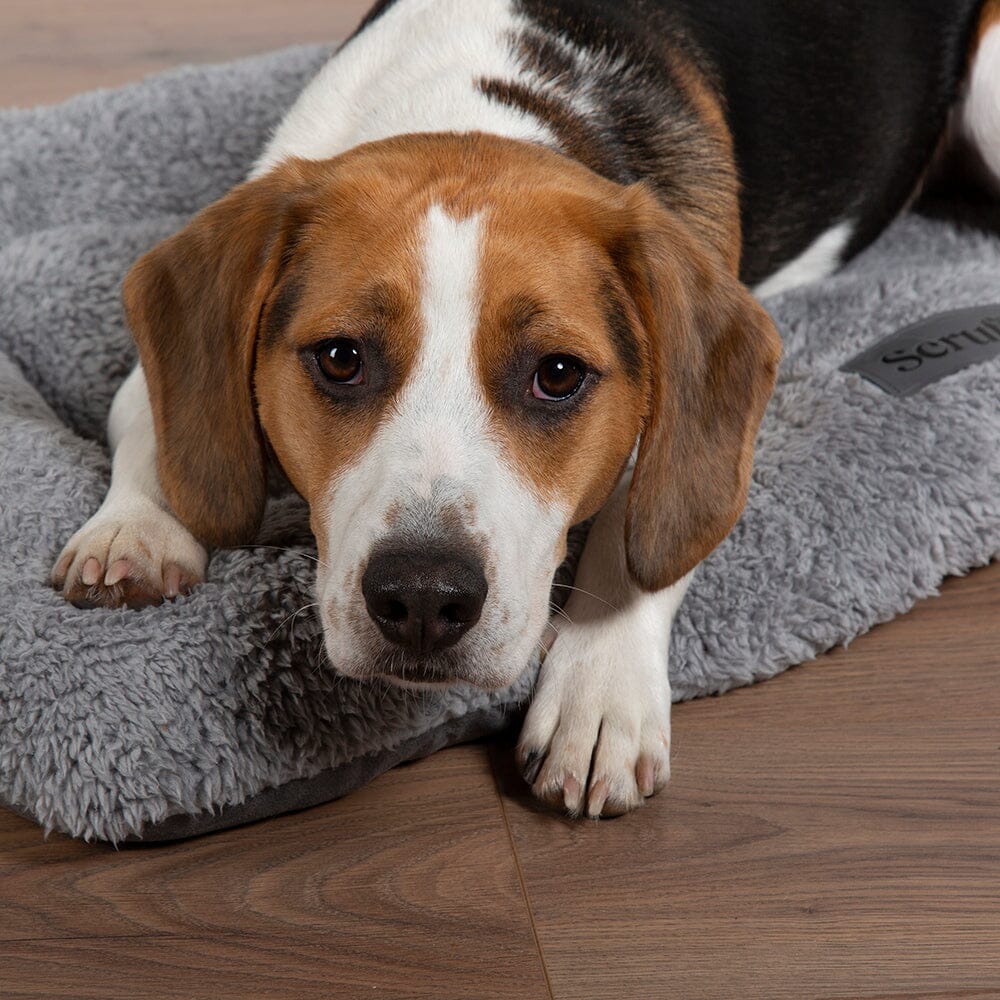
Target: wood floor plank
column 53, row 50
column 248, row 966
column 834, row 832
column 405, row 885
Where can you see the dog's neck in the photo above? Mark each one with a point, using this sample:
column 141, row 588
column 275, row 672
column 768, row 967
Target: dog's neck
column 456, row 66
column 417, row 68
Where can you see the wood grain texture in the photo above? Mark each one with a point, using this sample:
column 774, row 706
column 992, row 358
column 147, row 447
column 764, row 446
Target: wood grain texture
column 394, row 891
column 51, row 50
column 834, row 832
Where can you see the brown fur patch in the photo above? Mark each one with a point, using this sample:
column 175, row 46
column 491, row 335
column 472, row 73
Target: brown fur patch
column 989, row 17
column 194, row 304
column 543, row 246
column 715, row 359
column 198, row 303
column 621, row 326
column 363, row 284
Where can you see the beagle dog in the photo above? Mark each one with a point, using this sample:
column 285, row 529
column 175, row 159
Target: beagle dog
column 489, row 280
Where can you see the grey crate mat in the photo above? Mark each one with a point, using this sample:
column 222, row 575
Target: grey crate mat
column 218, row 709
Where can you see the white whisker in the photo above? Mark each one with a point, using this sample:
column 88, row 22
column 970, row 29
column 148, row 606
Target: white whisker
column 290, row 617
column 284, row 548
column 559, row 611
column 596, row 597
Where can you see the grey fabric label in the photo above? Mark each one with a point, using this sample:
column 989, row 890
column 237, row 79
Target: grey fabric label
column 929, row 350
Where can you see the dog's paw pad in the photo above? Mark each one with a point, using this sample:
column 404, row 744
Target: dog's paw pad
column 131, row 560
column 589, row 747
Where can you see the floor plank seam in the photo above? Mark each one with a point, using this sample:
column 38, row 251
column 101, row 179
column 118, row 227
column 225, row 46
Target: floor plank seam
column 524, row 888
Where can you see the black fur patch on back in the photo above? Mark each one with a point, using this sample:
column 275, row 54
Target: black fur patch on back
column 835, row 108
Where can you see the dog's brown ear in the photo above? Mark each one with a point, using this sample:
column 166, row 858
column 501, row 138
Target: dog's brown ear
column 193, row 304
column 714, row 355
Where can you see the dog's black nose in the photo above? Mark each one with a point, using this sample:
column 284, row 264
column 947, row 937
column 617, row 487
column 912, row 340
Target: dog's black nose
column 423, row 601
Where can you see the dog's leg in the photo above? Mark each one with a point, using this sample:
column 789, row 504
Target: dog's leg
column 596, row 739
column 133, row 551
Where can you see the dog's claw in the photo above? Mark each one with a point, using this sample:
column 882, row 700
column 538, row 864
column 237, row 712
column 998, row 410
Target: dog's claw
column 599, row 792
column 91, row 572
column 573, row 796
column 645, row 776
column 119, row 570
column 531, row 765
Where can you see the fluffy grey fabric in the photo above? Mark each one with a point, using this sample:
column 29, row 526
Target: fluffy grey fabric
column 217, row 708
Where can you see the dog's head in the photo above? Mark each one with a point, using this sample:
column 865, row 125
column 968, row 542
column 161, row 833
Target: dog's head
column 452, row 344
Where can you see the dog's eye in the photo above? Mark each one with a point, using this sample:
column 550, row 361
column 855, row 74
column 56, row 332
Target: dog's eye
column 558, row 377
column 341, row 362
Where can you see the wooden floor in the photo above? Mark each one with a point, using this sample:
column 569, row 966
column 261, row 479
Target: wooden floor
column 833, row 833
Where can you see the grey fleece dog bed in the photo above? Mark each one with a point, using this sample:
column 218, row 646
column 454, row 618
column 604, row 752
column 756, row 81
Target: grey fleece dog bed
column 218, row 708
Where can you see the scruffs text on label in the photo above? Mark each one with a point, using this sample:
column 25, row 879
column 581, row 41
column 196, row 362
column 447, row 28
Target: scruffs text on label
column 927, row 351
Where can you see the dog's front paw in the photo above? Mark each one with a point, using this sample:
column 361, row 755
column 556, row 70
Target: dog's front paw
column 133, row 557
column 596, row 739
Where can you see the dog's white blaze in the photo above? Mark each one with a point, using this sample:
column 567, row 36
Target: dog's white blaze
column 435, row 452
column 442, row 405
column 819, row 260
column 415, row 69
column 980, row 110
